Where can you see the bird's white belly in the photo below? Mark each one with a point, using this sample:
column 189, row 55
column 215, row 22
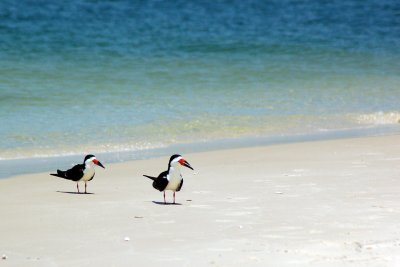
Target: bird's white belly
column 87, row 175
column 174, row 183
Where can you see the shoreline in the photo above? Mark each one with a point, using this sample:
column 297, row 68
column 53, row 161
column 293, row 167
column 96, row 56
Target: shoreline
column 11, row 167
column 319, row 203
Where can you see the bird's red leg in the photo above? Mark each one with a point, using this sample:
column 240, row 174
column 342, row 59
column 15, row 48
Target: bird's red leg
column 77, row 186
column 85, row 188
column 174, row 197
column 164, row 198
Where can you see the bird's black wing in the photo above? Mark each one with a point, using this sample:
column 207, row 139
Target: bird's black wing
column 92, row 177
column 150, row 177
column 161, row 182
column 180, row 186
column 75, row 173
column 59, row 173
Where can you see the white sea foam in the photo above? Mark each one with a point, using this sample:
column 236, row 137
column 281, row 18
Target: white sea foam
column 379, row 118
column 65, row 150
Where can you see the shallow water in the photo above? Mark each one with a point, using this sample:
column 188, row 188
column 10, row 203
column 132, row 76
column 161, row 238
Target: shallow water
column 122, row 77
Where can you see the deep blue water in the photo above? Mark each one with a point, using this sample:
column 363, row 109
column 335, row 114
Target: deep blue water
column 109, row 76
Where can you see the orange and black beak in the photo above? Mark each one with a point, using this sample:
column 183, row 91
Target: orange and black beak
column 95, row 161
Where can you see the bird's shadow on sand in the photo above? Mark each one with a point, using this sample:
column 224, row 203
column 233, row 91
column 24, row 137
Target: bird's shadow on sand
column 162, row 203
column 76, row 193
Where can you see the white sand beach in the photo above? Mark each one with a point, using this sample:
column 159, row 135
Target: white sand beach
column 322, row 203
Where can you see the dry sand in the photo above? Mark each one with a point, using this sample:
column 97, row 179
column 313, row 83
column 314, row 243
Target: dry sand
column 325, row 203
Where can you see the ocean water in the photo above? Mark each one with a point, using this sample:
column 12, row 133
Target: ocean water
column 128, row 77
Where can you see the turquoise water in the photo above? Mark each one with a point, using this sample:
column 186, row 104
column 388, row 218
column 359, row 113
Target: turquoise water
column 132, row 76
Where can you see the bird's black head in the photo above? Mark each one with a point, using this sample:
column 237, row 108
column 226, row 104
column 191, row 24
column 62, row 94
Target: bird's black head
column 179, row 159
column 88, row 157
column 174, row 157
column 93, row 159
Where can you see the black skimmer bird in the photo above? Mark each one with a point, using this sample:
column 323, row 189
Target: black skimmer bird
column 170, row 179
column 81, row 172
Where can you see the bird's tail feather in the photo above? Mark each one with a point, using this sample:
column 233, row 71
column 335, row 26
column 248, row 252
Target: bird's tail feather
column 60, row 174
column 150, row 177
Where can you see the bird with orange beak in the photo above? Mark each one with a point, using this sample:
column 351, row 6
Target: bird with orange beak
column 170, row 179
column 80, row 172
